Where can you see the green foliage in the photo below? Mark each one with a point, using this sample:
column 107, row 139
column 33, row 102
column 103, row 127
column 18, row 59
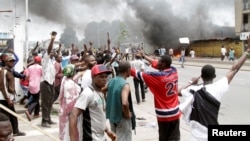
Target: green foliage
column 123, row 33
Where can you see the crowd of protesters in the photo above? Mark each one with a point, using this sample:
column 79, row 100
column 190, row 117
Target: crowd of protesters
column 91, row 87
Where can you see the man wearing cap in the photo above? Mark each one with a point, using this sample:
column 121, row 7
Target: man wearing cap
column 8, row 92
column 138, row 64
column 3, row 63
column 34, row 76
column 47, row 85
column 207, row 113
column 91, row 104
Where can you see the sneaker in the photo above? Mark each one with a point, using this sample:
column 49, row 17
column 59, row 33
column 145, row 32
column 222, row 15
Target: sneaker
column 19, row 134
column 28, row 115
column 143, row 100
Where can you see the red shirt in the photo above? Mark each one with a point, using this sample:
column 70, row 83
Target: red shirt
column 164, row 87
column 24, row 82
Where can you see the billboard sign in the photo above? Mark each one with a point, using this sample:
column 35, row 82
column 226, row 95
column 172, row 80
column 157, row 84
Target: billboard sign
column 184, row 40
column 244, row 35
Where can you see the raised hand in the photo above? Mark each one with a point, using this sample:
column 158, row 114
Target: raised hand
column 85, row 47
column 194, row 80
column 90, row 43
column 11, row 50
column 53, row 34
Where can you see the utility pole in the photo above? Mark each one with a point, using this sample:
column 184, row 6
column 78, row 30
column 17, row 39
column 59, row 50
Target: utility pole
column 26, row 28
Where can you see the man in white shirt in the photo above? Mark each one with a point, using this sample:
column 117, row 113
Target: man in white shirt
column 127, row 53
column 223, row 53
column 90, row 61
column 192, row 53
column 207, row 113
column 138, row 64
column 47, row 85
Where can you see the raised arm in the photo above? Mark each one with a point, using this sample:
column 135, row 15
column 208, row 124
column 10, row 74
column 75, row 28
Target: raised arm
column 35, row 48
column 108, row 43
column 16, row 57
column 149, row 59
column 53, row 36
column 59, row 49
column 236, row 66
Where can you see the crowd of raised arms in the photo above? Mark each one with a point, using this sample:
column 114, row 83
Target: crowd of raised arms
column 90, row 86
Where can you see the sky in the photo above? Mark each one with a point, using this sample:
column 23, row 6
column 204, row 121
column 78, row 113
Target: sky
column 194, row 18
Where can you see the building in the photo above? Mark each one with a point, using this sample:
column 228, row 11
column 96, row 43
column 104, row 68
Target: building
column 242, row 20
column 212, row 47
column 6, row 42
column 242, row 16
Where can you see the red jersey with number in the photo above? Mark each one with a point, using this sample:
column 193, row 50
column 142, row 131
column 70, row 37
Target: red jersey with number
column 164, row 86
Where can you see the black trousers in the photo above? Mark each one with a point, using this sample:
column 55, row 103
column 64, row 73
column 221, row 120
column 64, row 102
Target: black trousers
column 13, row 119
column 138, row 82
column 169, row 131
column 127, row 56
column 47, row 95
column 34, row 104
column 57, row 91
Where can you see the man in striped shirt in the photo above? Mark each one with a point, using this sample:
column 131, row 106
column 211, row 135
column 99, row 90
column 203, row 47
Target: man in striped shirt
column 164, row 86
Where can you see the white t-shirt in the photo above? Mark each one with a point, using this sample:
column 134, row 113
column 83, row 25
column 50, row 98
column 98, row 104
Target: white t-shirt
column 49, row 70
column 93, row 104
column 223, row 51
column 192, row 53
column 126, row 50
column 217, row 89
column 86, row 79
column 137, row 64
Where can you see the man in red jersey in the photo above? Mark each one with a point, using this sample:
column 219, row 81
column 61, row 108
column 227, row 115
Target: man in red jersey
column 164, row 86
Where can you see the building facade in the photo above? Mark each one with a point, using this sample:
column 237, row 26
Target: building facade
column 242, row 16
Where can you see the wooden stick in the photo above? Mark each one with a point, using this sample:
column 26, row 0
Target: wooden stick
column 26, row 121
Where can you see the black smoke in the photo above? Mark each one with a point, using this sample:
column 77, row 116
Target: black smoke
column 162, row 27
column 155, row 22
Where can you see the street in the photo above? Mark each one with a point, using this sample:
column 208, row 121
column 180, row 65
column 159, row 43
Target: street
column 234, row 108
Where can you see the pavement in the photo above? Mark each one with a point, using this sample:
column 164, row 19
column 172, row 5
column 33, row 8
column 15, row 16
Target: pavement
column 147, row 128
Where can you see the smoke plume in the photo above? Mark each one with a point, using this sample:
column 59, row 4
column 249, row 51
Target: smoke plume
column 158, row 22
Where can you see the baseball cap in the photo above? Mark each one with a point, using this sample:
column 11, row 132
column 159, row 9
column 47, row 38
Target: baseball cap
column 10, row 58
column 99, row 69
column 37, row 59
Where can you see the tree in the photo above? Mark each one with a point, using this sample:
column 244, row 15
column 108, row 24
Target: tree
column 123, row 33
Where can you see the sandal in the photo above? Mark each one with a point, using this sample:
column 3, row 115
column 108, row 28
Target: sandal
column 141, row 118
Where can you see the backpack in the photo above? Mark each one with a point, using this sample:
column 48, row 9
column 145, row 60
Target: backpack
column 205, row 108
